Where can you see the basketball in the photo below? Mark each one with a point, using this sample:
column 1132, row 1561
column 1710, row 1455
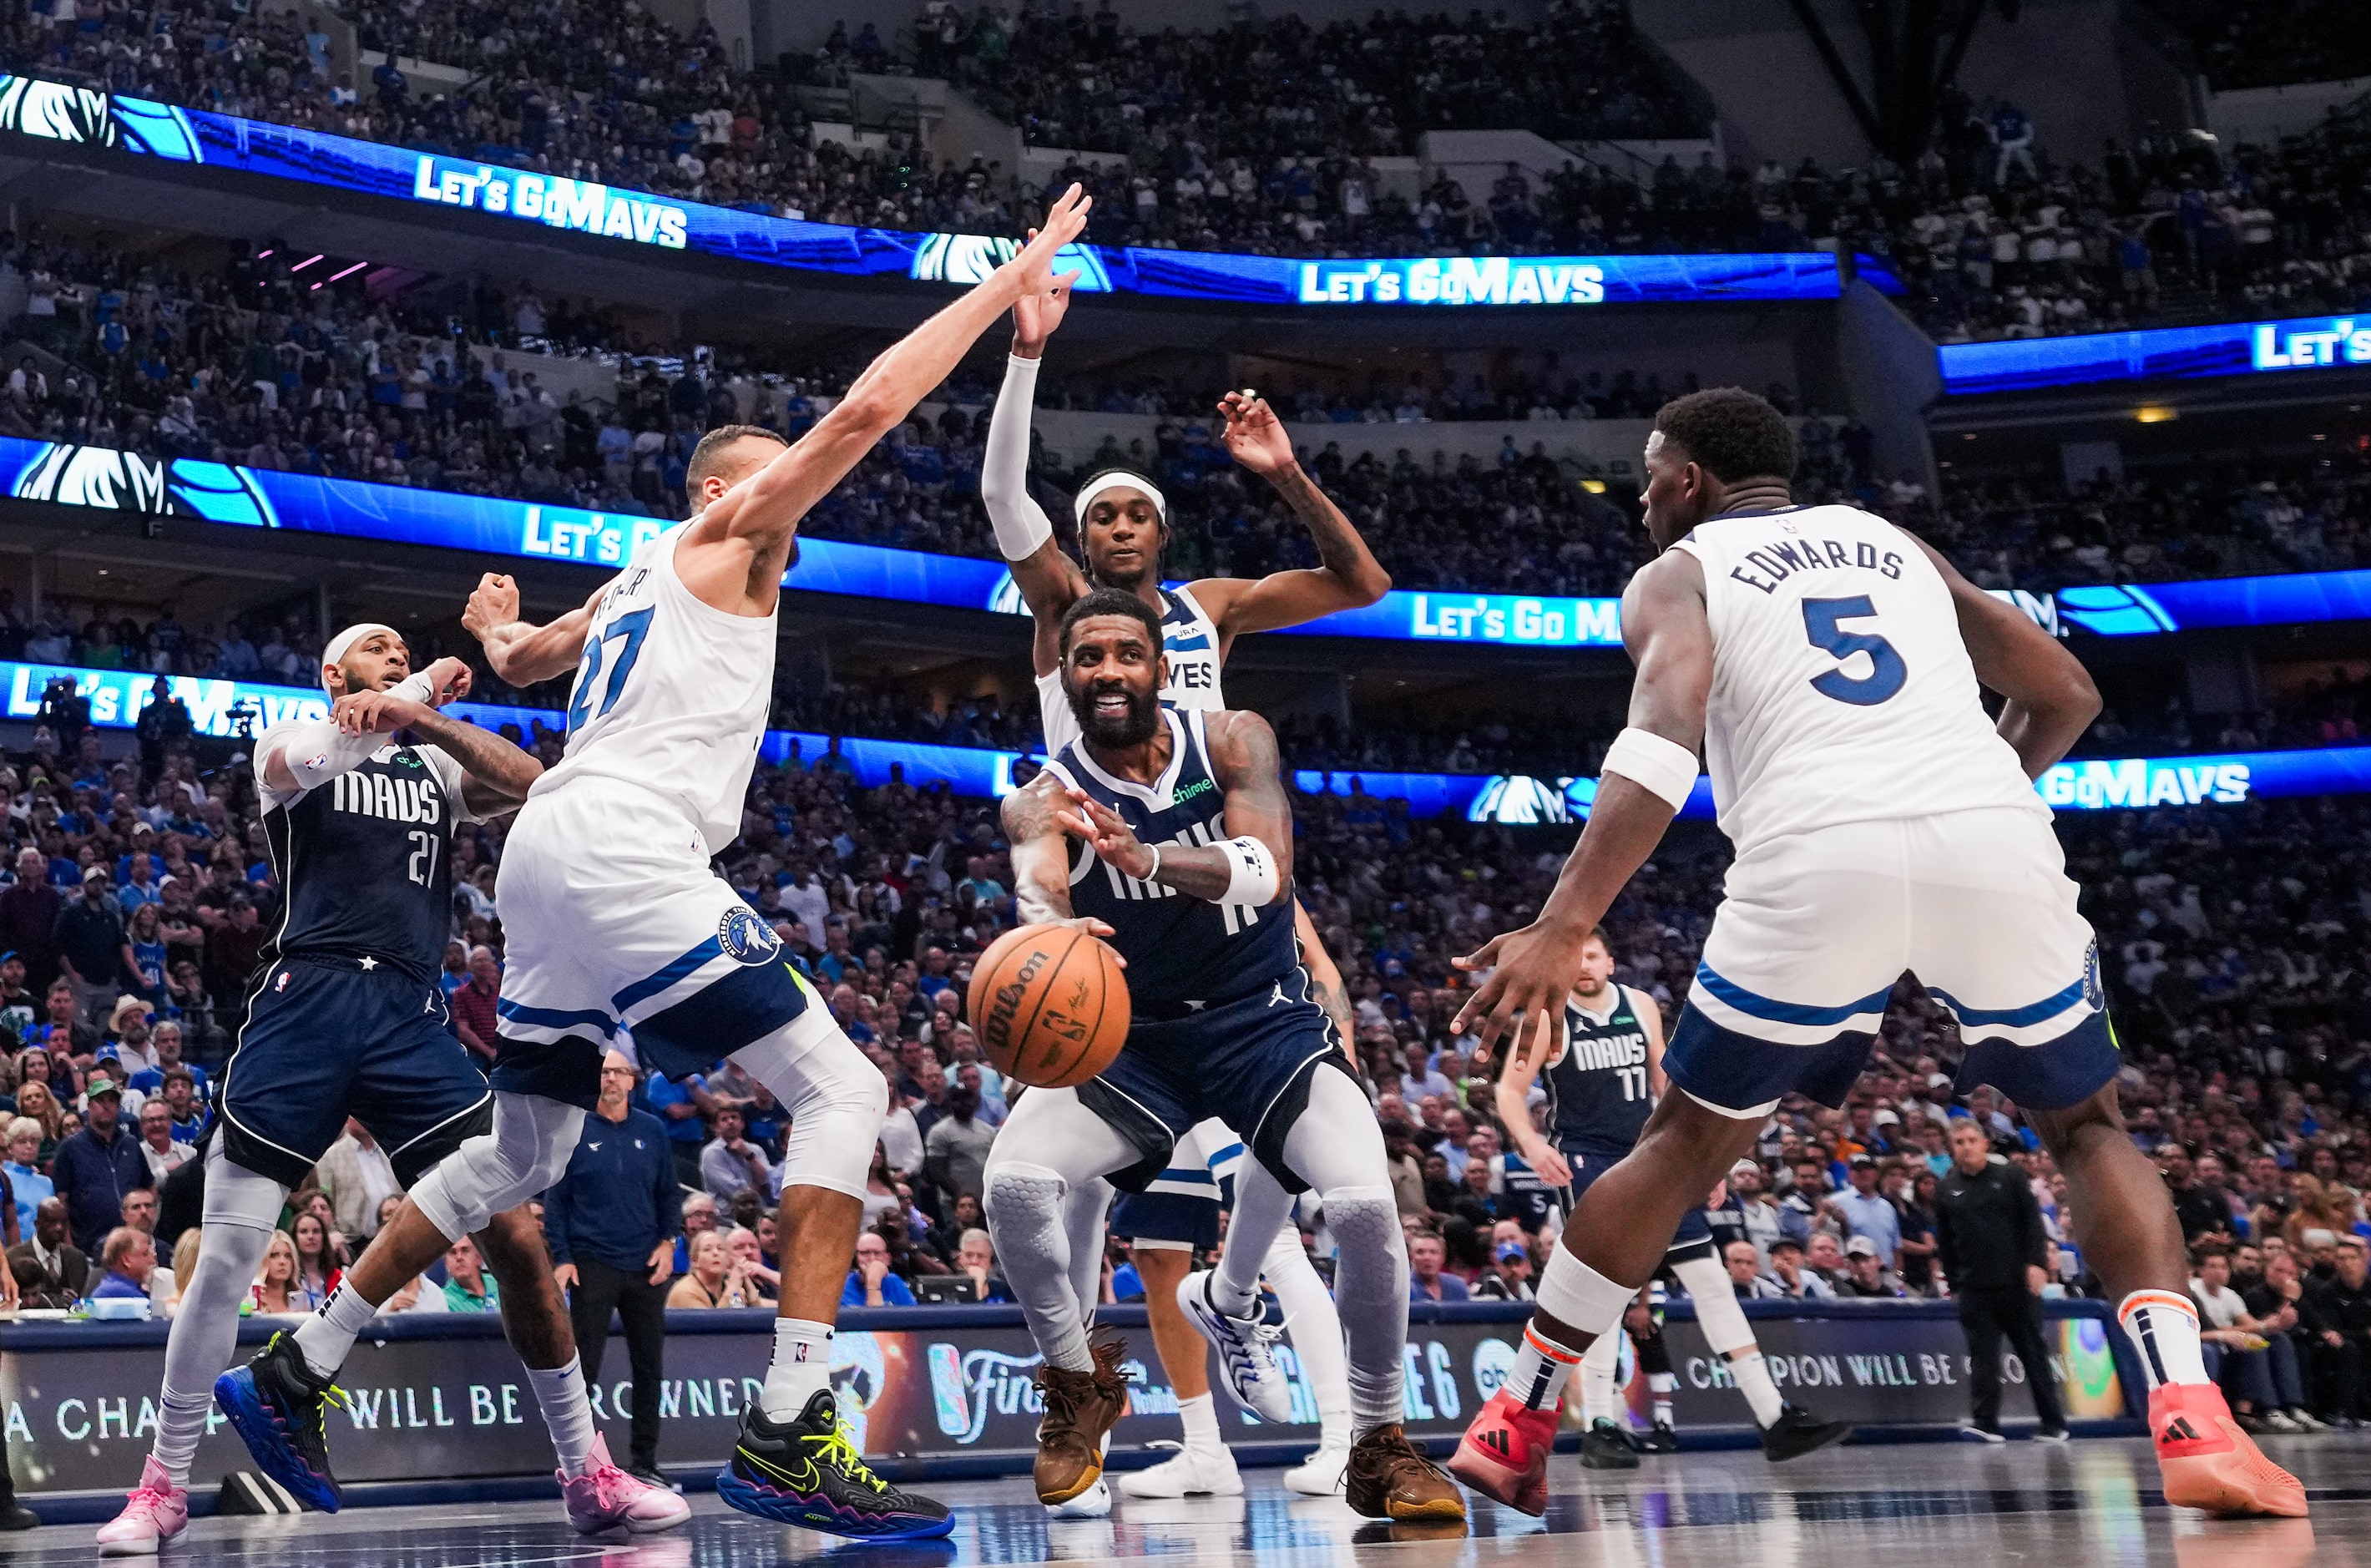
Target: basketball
column 1050, row 1004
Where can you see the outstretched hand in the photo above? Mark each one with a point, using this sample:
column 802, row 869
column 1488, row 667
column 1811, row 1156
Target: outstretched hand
column 1034, row 317
column 1532, row 971
column 1031, row 274
column 1255, row 436
column 1106, row 833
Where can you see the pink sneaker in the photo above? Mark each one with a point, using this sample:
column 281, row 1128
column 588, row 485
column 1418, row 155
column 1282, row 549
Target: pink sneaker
column 606, row 1497
column 154, row 1515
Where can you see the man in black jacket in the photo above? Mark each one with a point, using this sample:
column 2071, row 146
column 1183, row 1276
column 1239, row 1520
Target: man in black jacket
column 1988, row 1231
column 2336, row 1312
column 612, row 1221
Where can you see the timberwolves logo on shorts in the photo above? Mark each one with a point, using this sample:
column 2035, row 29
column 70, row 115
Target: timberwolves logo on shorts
column 2094, row 995
column 746, row 937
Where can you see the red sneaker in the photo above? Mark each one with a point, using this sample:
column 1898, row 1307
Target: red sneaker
column 2209, row 1463
column 1504, row 1455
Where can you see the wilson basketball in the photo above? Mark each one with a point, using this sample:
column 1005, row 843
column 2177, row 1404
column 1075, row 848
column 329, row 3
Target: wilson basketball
column 1050, row 1004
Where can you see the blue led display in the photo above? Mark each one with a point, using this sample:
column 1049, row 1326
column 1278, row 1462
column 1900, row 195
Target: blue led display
column 59, row 112
column 2227, row 348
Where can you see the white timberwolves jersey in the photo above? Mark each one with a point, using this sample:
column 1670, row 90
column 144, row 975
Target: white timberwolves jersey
column 671, row 694
column 1840, row 689
column 1188, row 637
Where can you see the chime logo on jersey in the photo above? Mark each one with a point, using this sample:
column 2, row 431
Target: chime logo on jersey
column 745, row 937
column 397, row 800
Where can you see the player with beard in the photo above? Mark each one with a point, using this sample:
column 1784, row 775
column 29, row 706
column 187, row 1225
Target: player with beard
column 1184, row 861
column 1123, row 526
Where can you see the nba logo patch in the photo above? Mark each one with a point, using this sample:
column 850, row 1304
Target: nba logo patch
column 744, row 936
column 282, row 983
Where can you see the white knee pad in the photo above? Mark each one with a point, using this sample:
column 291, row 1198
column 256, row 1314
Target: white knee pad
column 835, row 1095
column 528, row 1151
column 1723, row 1322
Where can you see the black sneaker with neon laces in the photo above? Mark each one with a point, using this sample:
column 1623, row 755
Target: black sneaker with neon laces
column 280, row 1408
column 806, row 1472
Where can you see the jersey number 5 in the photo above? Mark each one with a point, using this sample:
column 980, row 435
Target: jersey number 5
column 1887, row 673
column 629, row 630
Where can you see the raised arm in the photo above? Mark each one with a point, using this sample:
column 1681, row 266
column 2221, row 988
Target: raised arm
column 1049, row 581
column 498, row 773
column 2050, row 699
column 747, row 531
column 1253, row 865
column 519, row 652
column 305, row 753
column 1350, row 578
column 1665, row 630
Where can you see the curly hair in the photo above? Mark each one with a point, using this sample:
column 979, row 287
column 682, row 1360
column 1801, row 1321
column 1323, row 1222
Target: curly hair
column 1732, row 433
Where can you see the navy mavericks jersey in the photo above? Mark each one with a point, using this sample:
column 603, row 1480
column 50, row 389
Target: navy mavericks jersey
column 1180, row 951
column 1596, row 1078
column 364, row 861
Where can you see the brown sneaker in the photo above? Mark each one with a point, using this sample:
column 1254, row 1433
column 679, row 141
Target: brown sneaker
column 1389, row 1479
column 1081, row 1407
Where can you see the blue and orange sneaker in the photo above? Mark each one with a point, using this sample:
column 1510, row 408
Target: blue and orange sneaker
column 806, row 1472
column 280, row 1408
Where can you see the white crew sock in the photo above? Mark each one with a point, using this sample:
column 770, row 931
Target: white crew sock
column 802, row 1367
column 1600, row 1399
column 1201, row 1415
column 567, row 1414
column 1660, row 1384
column 2164, row 1328
column 1752, row 1376
column 327, row 1337
column 180, row 1422
column 1540, row 1367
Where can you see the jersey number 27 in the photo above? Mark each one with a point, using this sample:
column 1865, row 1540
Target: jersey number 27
column 628, row 629
column 1887, row 673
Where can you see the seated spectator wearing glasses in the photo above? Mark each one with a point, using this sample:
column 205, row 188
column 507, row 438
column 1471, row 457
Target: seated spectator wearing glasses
column 871, row 1283
column 699, row 1213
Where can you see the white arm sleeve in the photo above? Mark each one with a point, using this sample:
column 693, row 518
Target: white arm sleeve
column 315, row 751
column 1020, row 524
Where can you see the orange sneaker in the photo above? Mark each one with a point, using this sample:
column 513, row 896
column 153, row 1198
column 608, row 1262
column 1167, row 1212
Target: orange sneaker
column 1504, row 1455
column 2209, row 1463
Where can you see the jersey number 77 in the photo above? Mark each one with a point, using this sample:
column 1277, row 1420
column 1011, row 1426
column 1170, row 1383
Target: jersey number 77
column 628, row 631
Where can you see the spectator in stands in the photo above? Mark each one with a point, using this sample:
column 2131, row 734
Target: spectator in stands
column 129, row 1262
column 1990, row 1239
column 359, row 1178
column 975, row 1257
column 954, row 1153
column 683, row 1107
column 713, row 1280
column 1746, row 1277
column 1792, row 1276
column 317, row 1263
column 96, row 1166
column 871, row 1282
column 1868, row 1213
column 1427, row 1278
column 467, row 1286
column 1866, row 1275
column 49, row 1269
column 1510, row 1278
column 158, row 1146
column 28, row 1183
column 761, row 1283
column 700, row 1215
column 275, row 1277
column 611, row 1221
column 2336, row 1309
column 473, row 1005
column 730, row 1164
column 30, row 908
column 91, row 946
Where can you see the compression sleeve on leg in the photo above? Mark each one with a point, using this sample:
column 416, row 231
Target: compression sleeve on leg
column 1261, row 1205
column 1726, row 1332
column 1314, row 1328
column 1027, row 1203
column 1336, row 1146
column 241, row 1208
column 835, row 1098
column 532, row 1141
column 1021, row 525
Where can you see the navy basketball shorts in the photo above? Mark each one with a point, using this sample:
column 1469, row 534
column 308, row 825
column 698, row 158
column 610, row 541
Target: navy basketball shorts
column 1245, row 1063
column 327, row 1039
column 1816, row 928
column 1694, row 1239
column 616, row 926
column 1178, row 1209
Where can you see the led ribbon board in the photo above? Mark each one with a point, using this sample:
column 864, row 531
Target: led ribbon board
column 109, row 480
column 2227, row 348
column 57, row 112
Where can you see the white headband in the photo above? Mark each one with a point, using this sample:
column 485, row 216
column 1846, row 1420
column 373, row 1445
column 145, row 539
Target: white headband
column 336, row 652
column 1119, row 482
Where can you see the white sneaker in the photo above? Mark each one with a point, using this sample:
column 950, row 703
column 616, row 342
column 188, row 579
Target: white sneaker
column 2279, row 1422
column 1246, row 1348
column 1094, row 1503
column 1978, row 1434
column 1186, row 1473
column 1321, row 1475
column 2308, row 1422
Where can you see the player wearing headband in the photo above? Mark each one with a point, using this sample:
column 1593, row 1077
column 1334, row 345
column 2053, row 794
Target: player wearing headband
column 345, row 1019
column 1123, row 526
